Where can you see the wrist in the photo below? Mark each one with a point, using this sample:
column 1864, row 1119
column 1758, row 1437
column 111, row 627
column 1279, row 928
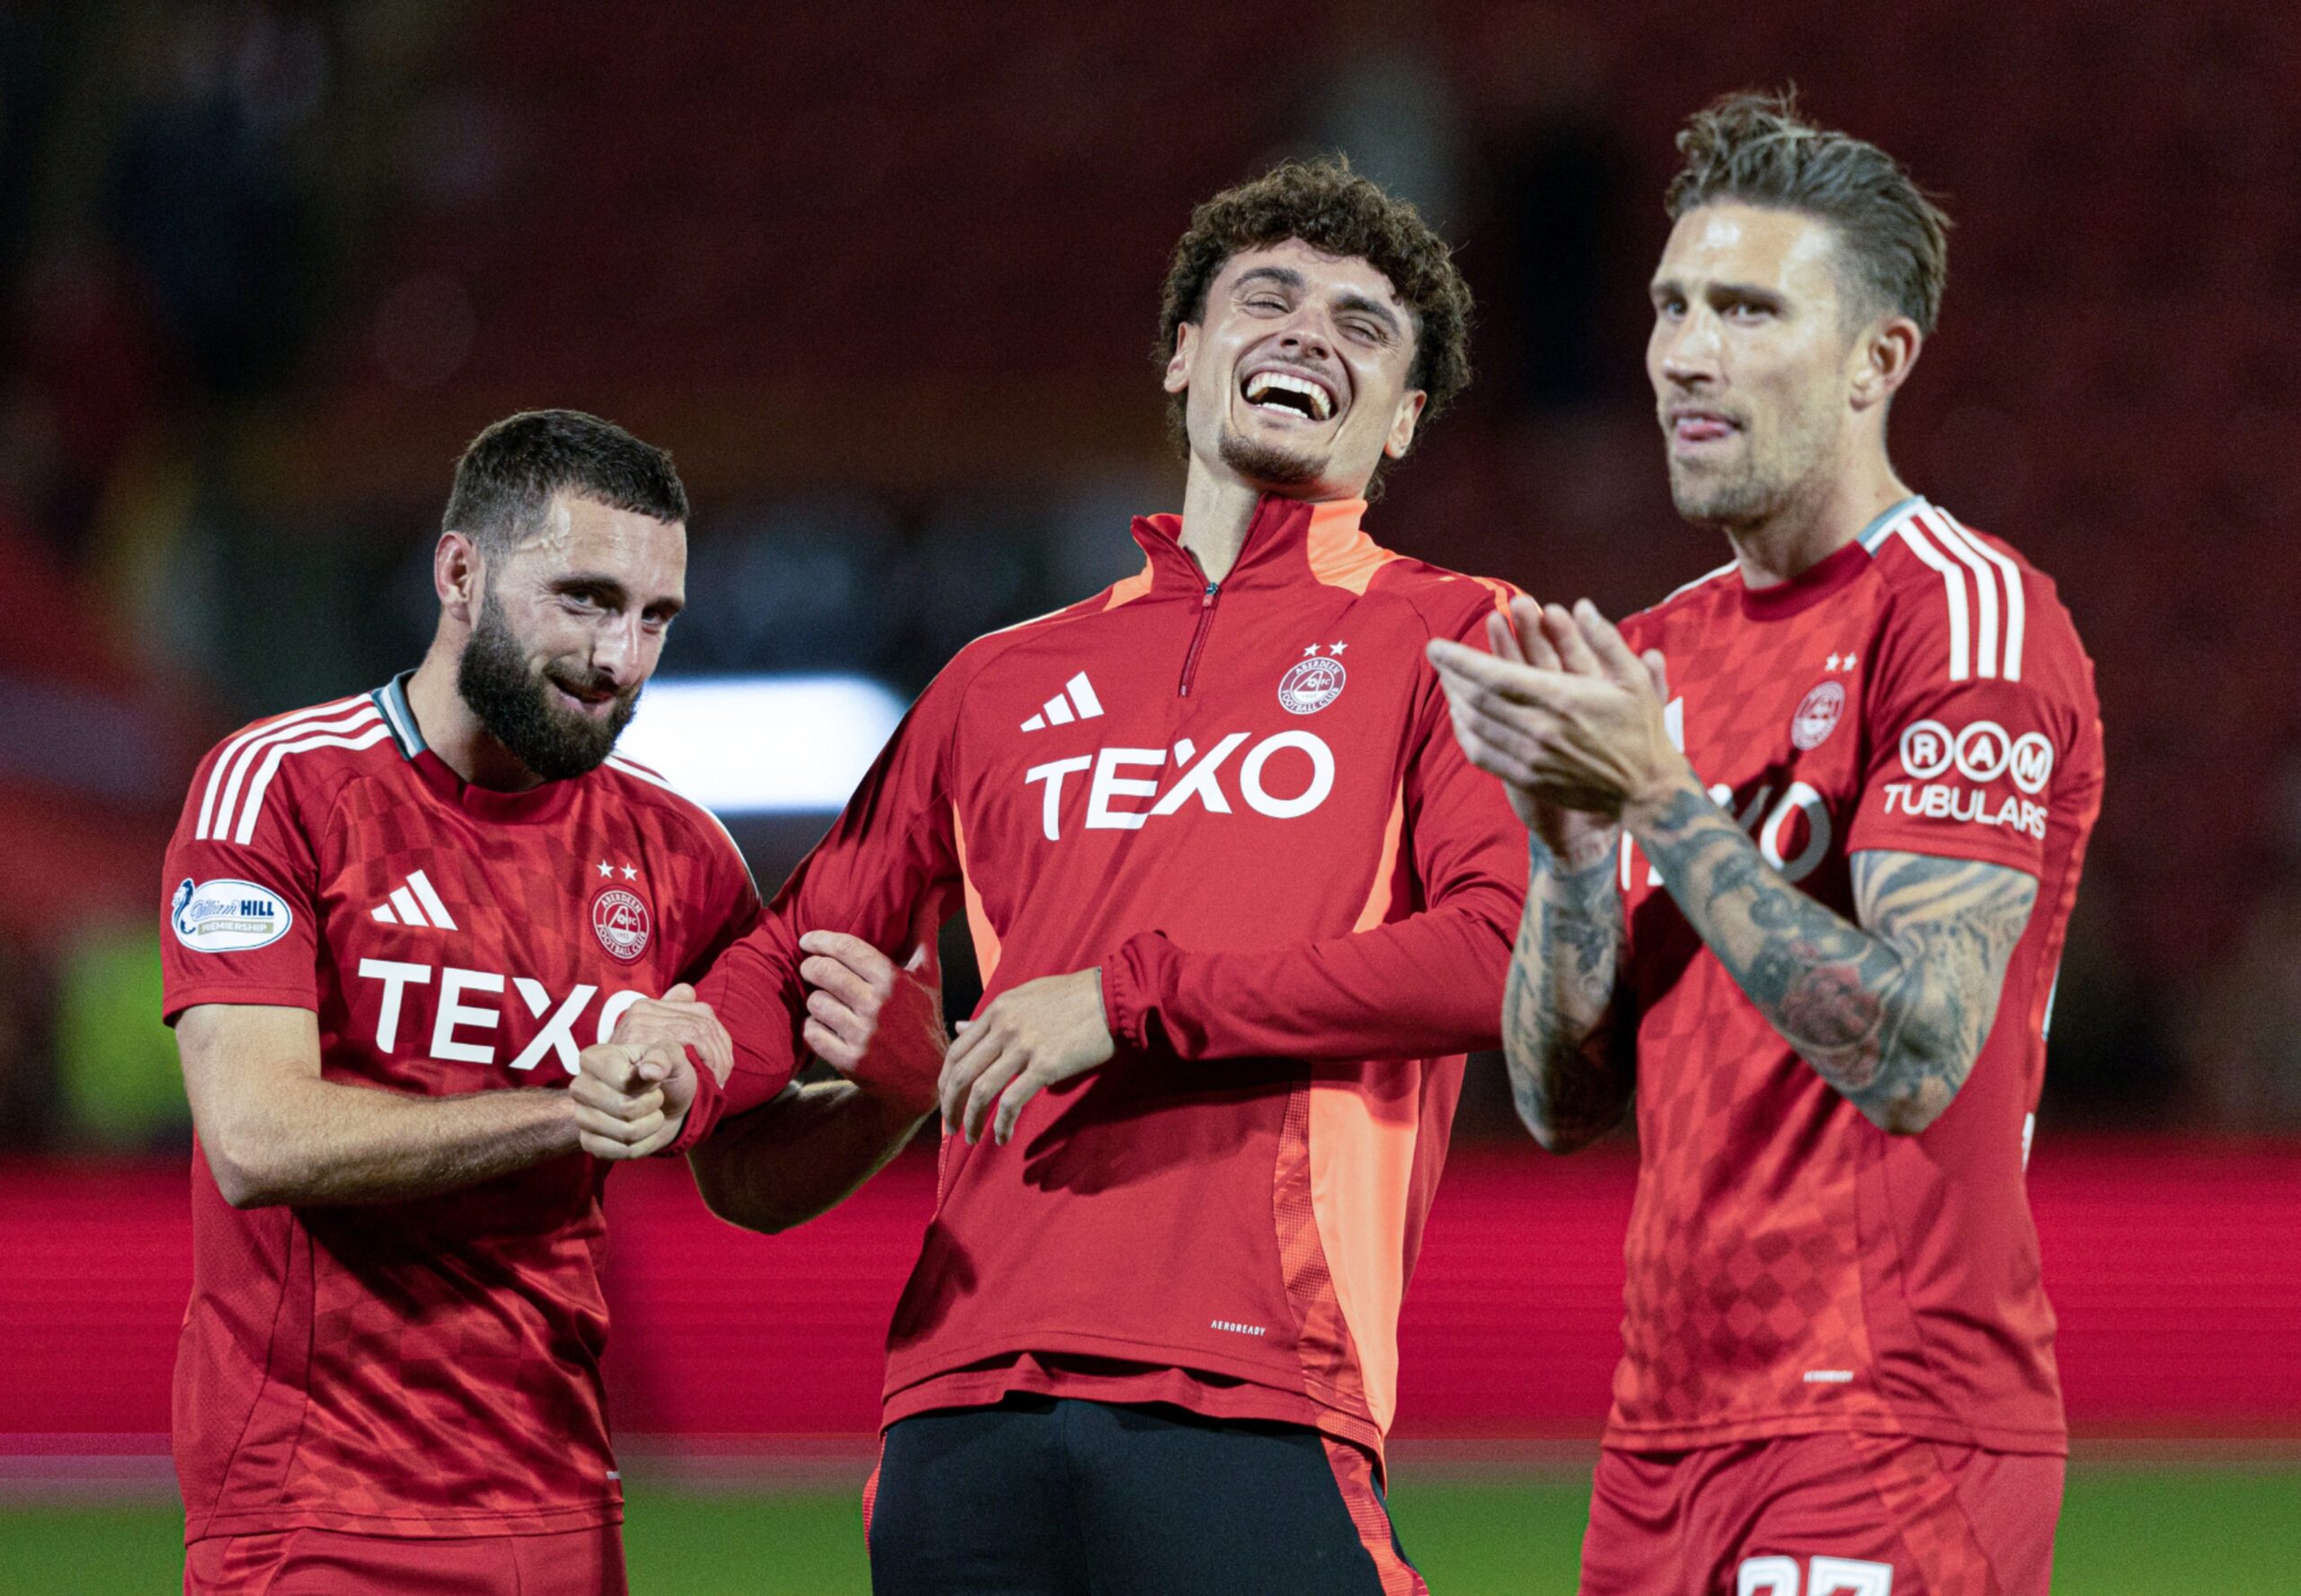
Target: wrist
column 1585, row 849
column 1642, row 811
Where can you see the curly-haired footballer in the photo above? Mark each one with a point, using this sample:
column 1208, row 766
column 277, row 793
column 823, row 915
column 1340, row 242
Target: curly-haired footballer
column 1240, row 906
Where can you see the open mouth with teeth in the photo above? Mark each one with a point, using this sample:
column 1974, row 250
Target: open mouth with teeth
column 1283, row 390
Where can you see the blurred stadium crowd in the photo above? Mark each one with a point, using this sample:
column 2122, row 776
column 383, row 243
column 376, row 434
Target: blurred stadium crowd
column 884, row 276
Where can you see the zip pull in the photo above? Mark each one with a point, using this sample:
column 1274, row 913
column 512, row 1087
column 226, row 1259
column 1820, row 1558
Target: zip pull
column 1205, row 617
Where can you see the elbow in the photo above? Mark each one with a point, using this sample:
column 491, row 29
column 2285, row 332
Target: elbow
column 250, row 1167
column 248, row 1184
column 1560, row 1139
column 727, row 1199
column 1919, row 1095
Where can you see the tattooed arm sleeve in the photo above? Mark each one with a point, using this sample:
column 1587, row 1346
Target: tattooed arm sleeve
column 1563, row 1029
column 1893, row 1011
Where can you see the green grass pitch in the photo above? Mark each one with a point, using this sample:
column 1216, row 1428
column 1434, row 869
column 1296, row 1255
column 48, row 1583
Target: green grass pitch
column 2228, row 1530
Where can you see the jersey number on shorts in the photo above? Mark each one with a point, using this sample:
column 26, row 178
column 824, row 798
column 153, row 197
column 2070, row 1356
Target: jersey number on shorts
column 1824, row 1577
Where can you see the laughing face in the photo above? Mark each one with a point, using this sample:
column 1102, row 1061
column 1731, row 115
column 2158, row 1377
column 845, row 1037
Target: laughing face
column 1755, row 360
column 571, row 625
column 1297, row 373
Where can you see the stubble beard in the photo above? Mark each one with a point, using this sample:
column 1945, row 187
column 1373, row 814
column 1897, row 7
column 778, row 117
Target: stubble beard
column 514, row 703
column 1267, row 465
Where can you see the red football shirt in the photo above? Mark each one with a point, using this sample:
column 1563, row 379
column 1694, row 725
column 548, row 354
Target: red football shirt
column 1791, row 1267
column 1243, row 801
column 428, row 1368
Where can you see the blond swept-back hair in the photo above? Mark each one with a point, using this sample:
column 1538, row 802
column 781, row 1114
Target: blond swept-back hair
column 1755, row 148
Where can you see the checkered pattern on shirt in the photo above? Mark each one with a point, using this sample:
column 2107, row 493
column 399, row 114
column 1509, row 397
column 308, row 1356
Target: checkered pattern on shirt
column 1789, row 1266
column 426, row 1368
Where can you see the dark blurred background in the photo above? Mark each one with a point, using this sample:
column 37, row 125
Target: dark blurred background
column 885, row 277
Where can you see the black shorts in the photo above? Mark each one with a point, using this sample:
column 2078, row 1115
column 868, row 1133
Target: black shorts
column 1048, row 1496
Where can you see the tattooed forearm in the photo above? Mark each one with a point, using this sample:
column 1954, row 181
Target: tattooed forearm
column 1893, row 1011
column 1570, row 1063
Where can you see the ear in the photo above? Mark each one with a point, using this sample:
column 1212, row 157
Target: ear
column 1883, row 356
column 1402, row 424
column 458, row 576
column 1177, row 377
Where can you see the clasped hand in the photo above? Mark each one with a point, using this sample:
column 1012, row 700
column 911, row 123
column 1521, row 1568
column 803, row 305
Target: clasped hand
column 1568, row 716
column 879, row 1026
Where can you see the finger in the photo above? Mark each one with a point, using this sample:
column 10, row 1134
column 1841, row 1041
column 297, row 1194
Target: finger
column 1658, row 670
column 1612, row 653
column 1494, row 760
column 608, row 1127
column 1020, row 1091
column 828, row 1045
column 840, row 1020
column 611, row 1064
column 985, row 1094
column 1475, row 669
column 660, row 1061
column 961, row 1065
column 831, row 975
column 1501, row 641
column 1565, row 636
column 612, row 1105
column 684, row 992
column 867, row 962
column 1531, row 639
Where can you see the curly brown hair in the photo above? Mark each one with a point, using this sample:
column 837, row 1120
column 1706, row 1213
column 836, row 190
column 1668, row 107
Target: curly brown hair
column 1757, row 149
column 1336, row 212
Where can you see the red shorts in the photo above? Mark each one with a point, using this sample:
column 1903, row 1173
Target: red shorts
column 330, row 1563
column 1834, row 1515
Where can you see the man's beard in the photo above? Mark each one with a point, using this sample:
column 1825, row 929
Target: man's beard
column 1710, row 498
column 1267, row 465
column 1759, row 487
column 514, row 703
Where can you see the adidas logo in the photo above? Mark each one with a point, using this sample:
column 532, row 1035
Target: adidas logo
column 417, row 905
column 1058, row 711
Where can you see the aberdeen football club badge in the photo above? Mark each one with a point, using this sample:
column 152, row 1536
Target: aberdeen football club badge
column 1817, row 716
column 1314, row 682
column 620, row 919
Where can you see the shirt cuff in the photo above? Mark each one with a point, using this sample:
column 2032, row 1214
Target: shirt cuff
column 702, row 1115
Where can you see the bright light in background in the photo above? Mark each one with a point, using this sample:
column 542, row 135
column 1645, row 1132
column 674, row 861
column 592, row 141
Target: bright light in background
column 763, row 744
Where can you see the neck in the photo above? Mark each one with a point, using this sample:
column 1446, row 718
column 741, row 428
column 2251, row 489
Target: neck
column 1217, row 510
column 452, row 731
column 1801, row 535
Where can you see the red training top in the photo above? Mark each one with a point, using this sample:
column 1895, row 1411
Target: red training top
column 1245, row 803
column 1793, row 1268
column 428, row 1368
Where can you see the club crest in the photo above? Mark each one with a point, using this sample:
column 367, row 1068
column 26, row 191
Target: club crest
column 1817, row 716
column 1313, row 684
column 620, row 920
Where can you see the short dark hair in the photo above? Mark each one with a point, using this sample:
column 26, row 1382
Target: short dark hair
column 1757, row 149
column 1336, row 212
column 505, row 481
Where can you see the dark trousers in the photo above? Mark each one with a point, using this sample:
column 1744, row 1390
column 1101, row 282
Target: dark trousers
column 1045, row 1496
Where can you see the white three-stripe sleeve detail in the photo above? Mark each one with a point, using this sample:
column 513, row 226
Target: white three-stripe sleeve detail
column 253, row 809
column 248, row 759
column 2016, row 598
column 233, row 748
column 1985, row 595
column 1953, row 583
column 421, row 885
